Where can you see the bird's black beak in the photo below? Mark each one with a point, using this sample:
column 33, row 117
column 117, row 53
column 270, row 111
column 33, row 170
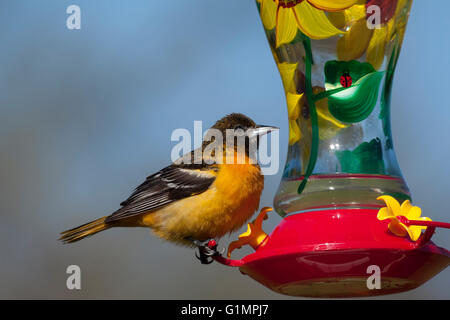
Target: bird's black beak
column 261, row 130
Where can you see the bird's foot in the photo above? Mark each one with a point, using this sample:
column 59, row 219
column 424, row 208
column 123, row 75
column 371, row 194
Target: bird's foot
column 206, row 251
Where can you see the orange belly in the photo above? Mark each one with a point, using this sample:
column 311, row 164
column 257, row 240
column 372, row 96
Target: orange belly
column 230, row 202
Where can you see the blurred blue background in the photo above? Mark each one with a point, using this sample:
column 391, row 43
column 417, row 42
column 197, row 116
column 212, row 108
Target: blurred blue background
column 87, row 114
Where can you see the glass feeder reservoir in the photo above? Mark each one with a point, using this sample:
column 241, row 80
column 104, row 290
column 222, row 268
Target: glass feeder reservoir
column 337, row 69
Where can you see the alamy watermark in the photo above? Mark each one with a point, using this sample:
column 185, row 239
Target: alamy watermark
column 252, row 147
column 73, row 282
column 373, row 17
column 374, row 281
column 73, row 21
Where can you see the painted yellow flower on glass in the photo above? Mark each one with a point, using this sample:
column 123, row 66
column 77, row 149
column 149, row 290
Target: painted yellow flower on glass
column 328, row 125
column 287, row 72
column 287, row 16
column 359, row 38
column 393, row 211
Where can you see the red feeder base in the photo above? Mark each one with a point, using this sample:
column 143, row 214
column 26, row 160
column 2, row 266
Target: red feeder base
column 328, row 253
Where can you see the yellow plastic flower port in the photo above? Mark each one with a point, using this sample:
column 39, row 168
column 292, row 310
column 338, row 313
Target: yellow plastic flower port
column 397, row 214
column 254, row 236
column 307, row 15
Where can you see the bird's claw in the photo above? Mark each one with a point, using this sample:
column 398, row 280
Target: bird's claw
column 206, row 251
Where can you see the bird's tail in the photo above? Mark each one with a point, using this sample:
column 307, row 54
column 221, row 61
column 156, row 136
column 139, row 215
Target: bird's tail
column 85, row 230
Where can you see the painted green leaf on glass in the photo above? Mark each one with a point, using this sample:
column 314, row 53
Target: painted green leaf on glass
column 356, row 102
column 366, row 158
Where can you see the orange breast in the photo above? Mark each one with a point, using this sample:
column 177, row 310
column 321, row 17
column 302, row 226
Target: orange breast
column 224, row 207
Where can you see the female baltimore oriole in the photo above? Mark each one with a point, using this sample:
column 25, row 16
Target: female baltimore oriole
column 192, row 202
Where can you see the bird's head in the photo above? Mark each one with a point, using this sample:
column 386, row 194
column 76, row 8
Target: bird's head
column 241, row 125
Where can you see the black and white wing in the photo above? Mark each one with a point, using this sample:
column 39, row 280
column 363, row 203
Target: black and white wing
column 170, row 184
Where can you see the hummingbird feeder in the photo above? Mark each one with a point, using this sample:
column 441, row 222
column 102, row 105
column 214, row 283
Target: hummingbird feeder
column 345, row 204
